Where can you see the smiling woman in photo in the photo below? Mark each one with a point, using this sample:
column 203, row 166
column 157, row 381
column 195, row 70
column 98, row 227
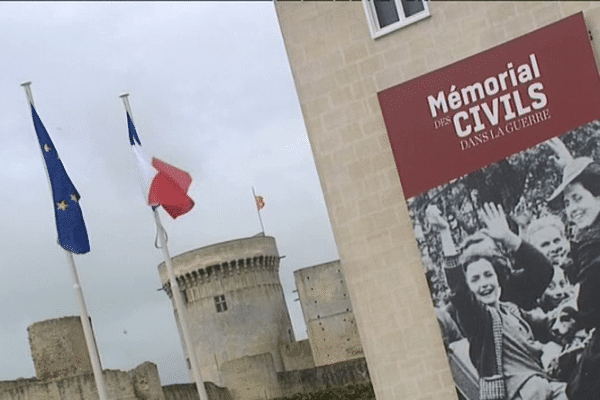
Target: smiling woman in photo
column 580, row 192
column 486, row 293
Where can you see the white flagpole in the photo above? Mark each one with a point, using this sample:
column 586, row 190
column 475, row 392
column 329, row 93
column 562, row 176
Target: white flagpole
column 179, row 306
column 181, row 312
column 87, row 330
column 85, row 319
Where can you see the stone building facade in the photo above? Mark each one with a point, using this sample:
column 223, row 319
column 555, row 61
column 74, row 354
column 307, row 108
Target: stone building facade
column 339, row 66
column 235, row 305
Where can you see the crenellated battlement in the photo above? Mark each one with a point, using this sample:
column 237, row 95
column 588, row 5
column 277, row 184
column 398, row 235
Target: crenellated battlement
column 226, row 270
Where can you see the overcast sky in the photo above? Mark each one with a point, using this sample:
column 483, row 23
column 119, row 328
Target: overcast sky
column 212, row 93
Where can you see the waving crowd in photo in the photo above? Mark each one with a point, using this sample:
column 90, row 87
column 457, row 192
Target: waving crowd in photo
column 528, row 302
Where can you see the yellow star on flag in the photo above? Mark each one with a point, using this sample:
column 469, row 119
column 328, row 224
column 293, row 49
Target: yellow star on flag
column 74, row 197
column 47, row 148
column 62, row 205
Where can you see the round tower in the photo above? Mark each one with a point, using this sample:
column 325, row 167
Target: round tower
column 58, row 348
column 234, row 302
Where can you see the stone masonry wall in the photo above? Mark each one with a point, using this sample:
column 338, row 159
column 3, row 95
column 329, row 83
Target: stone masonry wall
column 58, row 348
column 297, row 355
column 338, row 70
column 328, row 313
column 251, row 377
column 187, row 391
column 244, row 274
column 332, row 376
column 141, row 383
column 80, row 387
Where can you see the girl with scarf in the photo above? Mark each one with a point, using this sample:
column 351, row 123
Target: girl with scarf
column 502, row 345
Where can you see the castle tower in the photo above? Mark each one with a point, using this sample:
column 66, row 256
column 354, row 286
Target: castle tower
column 332, row 331
column 234, row 302
column 58, row 348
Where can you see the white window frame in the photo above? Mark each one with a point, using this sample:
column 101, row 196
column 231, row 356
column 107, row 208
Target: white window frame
column 373, row 22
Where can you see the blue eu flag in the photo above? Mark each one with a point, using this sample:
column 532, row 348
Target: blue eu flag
column 72, row 235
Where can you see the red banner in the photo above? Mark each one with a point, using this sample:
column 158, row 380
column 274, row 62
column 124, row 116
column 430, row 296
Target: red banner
column 477, row 111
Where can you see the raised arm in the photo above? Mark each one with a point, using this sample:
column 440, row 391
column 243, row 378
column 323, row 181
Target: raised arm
column 471, row 313
column 532, row 270
column 439, row 223
column 562, row 155
column 497, row 228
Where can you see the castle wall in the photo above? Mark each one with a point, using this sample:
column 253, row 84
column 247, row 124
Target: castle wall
column 327, row 311
column 251, row 378
column 58, row 348
column 7, row 385
column 119, row 386
column 338, row 375
column 255, row 378
column 335, row 339
column 297, row 355
column 338, row 70
column 146, row 382
column 64, row 370
column 235, row 304
column 188, row 391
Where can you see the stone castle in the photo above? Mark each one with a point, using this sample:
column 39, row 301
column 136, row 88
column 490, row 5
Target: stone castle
column 64, row 370
column 240, row 329
column 240, row 324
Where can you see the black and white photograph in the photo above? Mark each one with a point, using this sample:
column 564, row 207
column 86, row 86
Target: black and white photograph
column 511, row 253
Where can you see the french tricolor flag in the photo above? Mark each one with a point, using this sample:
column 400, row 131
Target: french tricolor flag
column 162, row 184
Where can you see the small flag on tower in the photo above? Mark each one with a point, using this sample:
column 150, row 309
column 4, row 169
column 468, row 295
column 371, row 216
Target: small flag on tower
column 163, row 184
column 72, row 234
column 260, row 202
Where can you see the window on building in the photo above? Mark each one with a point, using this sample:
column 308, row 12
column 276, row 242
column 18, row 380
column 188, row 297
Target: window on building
column 385, row 16
column 220, row 303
